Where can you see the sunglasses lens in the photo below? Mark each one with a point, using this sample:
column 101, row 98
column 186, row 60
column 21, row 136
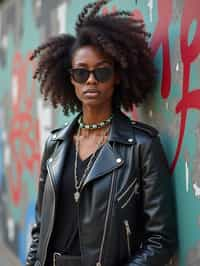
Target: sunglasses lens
column 103, row 74
column 80, row 75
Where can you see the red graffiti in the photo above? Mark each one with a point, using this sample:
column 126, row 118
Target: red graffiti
column 160, row 38
column 24, row 129
column 189, row 53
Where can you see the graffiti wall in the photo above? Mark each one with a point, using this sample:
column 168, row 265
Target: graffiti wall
column 25, row 119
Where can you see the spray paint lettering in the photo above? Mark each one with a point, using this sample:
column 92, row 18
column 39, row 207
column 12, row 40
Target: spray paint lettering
column 24, row 129
column 189, row 54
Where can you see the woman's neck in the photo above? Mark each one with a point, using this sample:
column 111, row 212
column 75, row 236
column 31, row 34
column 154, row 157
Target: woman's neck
column 95, row 115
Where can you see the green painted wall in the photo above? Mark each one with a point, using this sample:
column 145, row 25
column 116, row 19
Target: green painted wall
column 25, row 119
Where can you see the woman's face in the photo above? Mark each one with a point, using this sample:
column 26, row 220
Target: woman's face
column 96, row 88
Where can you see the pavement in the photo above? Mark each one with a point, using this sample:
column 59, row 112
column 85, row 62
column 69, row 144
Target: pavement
column 7, row 258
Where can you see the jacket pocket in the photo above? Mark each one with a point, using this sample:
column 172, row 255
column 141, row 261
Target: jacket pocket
column 128, row 235
column 125, row 197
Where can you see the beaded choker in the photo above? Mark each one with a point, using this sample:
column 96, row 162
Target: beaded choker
column 94, row 126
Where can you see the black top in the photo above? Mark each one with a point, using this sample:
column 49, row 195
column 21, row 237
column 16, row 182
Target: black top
column 65, row 236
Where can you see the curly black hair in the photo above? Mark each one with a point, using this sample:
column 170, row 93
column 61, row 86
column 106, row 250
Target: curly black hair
column 120, row 36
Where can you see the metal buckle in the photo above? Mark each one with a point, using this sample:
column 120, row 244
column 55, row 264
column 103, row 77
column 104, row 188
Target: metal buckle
column 55, row 254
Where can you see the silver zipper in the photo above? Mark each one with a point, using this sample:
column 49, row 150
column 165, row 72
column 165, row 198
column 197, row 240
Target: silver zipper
column 53, row 211
column 81, row 188
column 128, row 233
column 106, row 222
column 55, row 254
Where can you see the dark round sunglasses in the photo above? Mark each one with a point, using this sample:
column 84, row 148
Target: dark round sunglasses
column 101, row 74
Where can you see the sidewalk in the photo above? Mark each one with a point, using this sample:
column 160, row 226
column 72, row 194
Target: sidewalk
column 7, row 258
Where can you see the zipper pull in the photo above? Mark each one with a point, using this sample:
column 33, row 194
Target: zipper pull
column 54, row 257
column 128, row 230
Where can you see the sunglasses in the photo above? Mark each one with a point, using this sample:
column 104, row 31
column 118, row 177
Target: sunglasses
column 101, row 74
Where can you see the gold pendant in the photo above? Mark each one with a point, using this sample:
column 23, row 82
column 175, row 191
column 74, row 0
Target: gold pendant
column 76, row 196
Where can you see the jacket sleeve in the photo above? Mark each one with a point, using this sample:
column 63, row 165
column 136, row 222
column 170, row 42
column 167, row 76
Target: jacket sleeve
column 158, row 214
column 31, row 256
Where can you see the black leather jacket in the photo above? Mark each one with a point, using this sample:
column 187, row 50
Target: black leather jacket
column 125, row 213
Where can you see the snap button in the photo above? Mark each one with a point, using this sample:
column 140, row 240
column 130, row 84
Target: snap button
column 118, row 160
column 54, row 136
column 66, row 123
column 51, row 160
column 130, row 140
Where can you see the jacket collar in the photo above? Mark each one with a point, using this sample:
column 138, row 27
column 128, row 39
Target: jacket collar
column 121, row 129
column 108, row 159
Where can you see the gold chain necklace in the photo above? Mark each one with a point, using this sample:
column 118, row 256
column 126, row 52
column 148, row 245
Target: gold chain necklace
column 86, row 171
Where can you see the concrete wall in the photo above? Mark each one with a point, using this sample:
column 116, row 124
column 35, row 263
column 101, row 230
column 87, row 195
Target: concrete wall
column 25, row 120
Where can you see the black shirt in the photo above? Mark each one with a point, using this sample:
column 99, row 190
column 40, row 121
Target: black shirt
column 65, row 235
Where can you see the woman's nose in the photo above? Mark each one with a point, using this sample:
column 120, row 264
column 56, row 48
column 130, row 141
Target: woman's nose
column 91, row 78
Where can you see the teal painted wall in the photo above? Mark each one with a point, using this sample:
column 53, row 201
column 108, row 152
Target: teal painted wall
column 25, row 119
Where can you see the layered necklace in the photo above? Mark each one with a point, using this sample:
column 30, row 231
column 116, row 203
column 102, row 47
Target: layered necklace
column 101, row 124
column 78, row 184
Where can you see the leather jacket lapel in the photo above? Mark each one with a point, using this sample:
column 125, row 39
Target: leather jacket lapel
column 56, row 162
column 106, row 161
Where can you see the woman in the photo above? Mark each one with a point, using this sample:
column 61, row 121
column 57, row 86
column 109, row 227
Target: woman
column 104, row 196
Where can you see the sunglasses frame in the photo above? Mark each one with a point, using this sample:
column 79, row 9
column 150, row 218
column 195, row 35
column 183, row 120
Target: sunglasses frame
column 93, row 72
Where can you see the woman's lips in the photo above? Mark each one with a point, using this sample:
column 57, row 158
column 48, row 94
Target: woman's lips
column 91, row 93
